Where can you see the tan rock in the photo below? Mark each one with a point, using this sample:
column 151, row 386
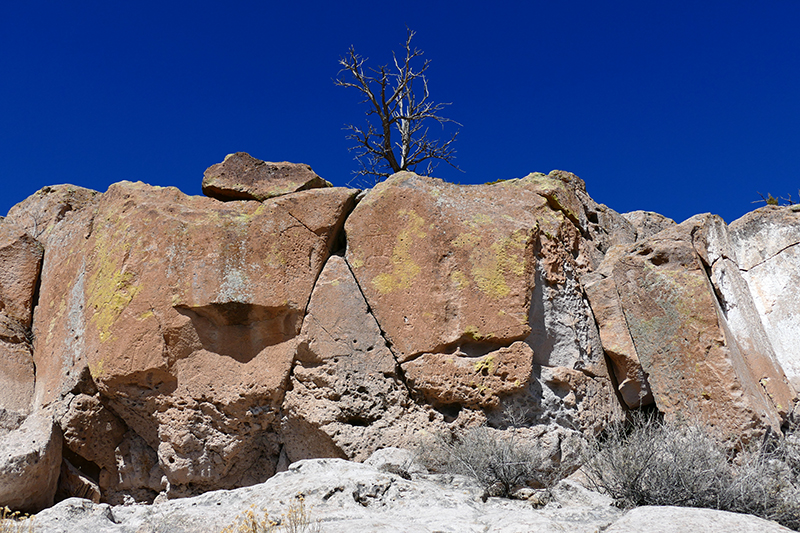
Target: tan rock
column 618, row 344
column 647, row 223
column 242, row 177
column 346, row 399
column 20, row 260
column 444, row 266
column 29, row 464
column 448, row 269
column 476, row 382
column 683, row 341
column 91, row 430
column 45, row 209
column 17, row 378
column 187, row 312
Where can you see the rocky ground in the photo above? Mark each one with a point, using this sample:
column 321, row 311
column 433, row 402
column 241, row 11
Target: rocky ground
column 342, row 496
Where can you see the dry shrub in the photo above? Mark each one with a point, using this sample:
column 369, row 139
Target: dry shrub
column 296, row 519
column 651, row 462
column 499, row 460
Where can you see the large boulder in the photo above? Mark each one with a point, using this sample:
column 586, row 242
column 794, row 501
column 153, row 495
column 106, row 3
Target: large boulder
column 49, row 206
column 186, row 311
column 243, row 177
column 29, row 464
column 701, row 356
column 460, row 272
column 346, row 398
column 765, row 243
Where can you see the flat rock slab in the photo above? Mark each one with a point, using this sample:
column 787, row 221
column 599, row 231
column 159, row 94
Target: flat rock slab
column 243, row 177
column 343, row 497
column 652, row 519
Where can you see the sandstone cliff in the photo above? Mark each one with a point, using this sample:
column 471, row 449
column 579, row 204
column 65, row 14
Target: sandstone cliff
column 162, row 345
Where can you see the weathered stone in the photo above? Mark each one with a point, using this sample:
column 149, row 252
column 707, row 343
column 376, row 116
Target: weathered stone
column 17, row 380
column 343, row 497
column 29, row 464
column 346, row 398
column 20, row 260
column 136, row 475
column 652, row 519
column 683, row 341
column 242, row 177
column 476, row 382
column 187, row 313
column 45, row 209
column 618, row 344
column 91, row 430
column 451, row 270
column 444, row 266
column 765, row 242
column 647, row 223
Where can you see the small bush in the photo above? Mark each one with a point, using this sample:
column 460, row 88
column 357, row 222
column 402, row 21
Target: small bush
column 499, row 461
column 655, row 463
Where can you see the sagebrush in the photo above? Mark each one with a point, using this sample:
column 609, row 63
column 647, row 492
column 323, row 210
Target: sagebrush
column 652, row 462
column 500, row 461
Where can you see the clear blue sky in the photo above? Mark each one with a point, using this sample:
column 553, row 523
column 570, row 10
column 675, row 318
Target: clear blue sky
column 676, row 107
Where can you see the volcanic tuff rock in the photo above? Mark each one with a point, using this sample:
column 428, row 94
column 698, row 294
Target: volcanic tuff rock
column 243, row 177
column 183, row 344
column 343, row 497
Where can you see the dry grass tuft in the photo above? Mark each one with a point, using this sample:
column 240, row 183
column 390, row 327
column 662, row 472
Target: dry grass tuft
column 296, row 519
column 15, row 522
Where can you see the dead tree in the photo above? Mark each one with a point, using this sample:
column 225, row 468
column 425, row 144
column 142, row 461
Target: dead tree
column 399, row 102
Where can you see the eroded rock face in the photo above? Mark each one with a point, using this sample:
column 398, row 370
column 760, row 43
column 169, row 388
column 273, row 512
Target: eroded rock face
column 29, row 464
column 41, row 212
column 697, row 362
column 346, row 397
column 183, row 344
column 456, row 275
column 243, row 177
column 186, row 312
column 765, row 243
column 646, row 223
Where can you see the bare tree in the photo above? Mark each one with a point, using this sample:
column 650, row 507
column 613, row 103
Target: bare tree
column 399, row 101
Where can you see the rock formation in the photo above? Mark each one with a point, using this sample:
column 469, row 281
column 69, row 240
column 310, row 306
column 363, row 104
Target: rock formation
column 157, row 345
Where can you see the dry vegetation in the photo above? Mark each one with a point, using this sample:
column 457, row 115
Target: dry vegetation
column 296, row 519
column 14, row 522
column 650, row 462
column 499, row 461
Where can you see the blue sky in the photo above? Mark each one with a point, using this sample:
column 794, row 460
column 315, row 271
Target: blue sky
column 675, row 107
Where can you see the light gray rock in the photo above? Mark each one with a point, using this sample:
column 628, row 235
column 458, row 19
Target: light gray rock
column 766, row 246
column 688, row 520
column 344, row 497
column 30, row 460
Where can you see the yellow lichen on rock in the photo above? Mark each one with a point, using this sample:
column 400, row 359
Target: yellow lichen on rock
column 505, row 258
column 404, row 269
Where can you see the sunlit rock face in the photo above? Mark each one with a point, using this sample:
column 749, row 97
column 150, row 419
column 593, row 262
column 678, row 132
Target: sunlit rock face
column 163, row 345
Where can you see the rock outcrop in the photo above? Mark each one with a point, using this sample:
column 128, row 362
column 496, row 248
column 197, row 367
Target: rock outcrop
column 161, row 346
column 339, row 496
column 243, row 177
